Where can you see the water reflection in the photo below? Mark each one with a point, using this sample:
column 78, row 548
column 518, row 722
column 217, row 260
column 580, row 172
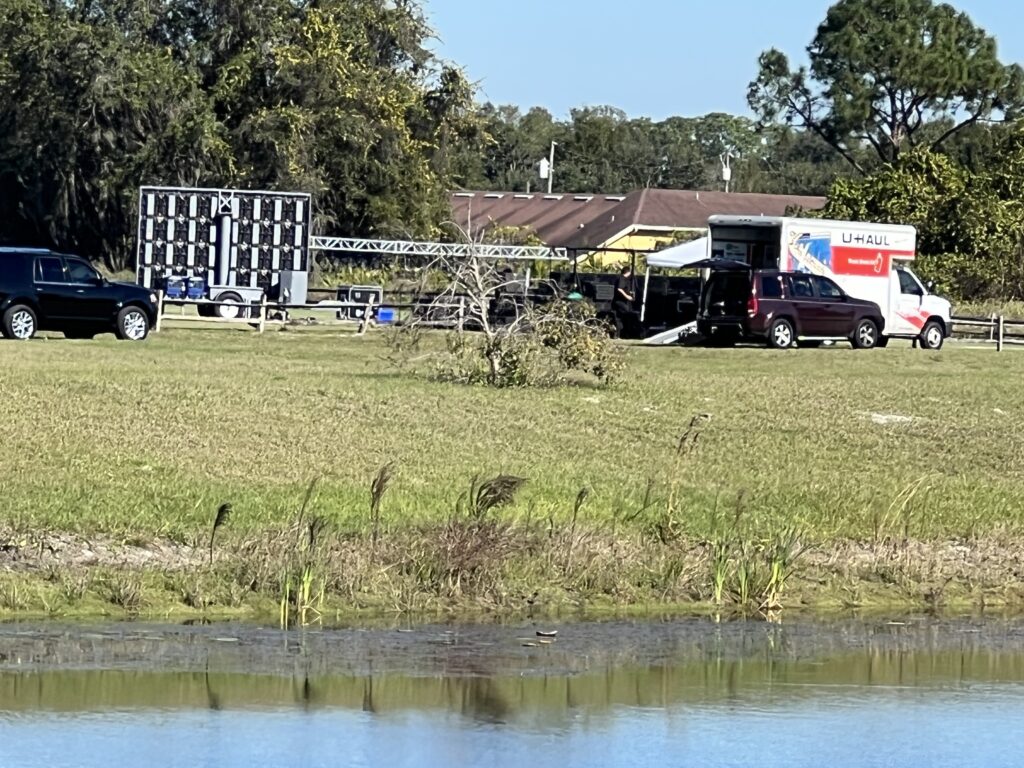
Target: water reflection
column 925, row 692
column 553, row 699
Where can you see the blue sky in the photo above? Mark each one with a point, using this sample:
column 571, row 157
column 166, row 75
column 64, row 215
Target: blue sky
column 651, row 58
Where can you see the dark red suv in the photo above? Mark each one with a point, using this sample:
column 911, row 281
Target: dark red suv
column 785, row 309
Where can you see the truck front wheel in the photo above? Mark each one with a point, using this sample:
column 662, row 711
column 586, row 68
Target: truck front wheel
column 932, row 335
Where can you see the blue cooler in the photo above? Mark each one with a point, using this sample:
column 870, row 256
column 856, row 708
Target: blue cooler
column 386, row 315
column 196, row 288
column 174, row 287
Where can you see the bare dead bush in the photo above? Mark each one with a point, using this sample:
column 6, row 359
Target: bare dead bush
column 498, row 338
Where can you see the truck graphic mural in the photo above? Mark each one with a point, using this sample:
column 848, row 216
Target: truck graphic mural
column 833, row 252
column 811, row 252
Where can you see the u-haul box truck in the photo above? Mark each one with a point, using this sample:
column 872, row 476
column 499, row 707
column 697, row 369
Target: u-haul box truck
column 869, row 261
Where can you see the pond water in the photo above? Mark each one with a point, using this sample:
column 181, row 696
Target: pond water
column 687, row 692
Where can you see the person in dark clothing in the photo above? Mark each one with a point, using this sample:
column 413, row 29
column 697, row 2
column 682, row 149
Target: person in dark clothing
column 624, row 304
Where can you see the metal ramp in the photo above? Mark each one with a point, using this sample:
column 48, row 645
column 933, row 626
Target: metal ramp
column 672, row 335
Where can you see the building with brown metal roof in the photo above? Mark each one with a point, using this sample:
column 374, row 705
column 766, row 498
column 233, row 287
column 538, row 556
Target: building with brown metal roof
column 640, row 221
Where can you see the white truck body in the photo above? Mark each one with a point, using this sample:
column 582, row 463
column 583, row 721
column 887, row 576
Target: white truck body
column 869, row 261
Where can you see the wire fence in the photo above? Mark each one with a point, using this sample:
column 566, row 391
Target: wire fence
column 266, row 314
column 996, row 330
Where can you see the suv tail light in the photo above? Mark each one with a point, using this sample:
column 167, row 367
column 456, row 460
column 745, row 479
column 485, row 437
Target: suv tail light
column 752, row 305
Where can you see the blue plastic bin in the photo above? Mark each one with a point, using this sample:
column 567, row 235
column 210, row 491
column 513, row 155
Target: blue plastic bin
column 196, row 288
column 386, row 315
column 175, row 287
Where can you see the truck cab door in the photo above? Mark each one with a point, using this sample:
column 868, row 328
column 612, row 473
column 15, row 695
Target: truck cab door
column 909, row 318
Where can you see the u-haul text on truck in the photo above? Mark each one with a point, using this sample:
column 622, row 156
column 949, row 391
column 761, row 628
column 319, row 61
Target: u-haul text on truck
column 869, row 261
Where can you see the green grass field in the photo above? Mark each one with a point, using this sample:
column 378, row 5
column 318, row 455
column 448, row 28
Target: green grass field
column 148, row 439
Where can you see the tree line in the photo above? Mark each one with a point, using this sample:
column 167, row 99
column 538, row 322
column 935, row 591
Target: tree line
column 340, row 98
column 601, row 150
column 903, row 112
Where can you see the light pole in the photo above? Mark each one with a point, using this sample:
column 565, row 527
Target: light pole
column 551, row 167
column 726, row 158
column 546, row 167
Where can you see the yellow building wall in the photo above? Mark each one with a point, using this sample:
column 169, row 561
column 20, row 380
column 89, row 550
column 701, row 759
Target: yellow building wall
column 640, row 241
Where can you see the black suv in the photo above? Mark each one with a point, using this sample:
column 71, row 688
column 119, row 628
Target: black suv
column 785, row 309
column 43, row 290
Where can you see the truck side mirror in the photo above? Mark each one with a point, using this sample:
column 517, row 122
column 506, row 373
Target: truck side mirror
column 930, row 286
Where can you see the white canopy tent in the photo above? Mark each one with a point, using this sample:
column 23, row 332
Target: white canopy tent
column 677, row 257
column 680, row 256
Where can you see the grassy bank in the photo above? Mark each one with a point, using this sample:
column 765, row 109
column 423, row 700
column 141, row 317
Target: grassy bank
column 130, row 450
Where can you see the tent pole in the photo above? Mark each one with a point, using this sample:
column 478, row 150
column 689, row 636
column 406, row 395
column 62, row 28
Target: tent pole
column 643, row 302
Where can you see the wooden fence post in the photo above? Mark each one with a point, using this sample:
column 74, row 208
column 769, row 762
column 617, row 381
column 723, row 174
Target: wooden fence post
column 999, row 341
column 263, row 313
column 462, row 313
column 992, row 328
column 367, row 313
column 159, row 311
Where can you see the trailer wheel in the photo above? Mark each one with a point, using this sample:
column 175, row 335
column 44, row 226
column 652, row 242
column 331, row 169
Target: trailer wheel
column 780, row 335
column 932, row 336
column 231, row 310
column 866, row 335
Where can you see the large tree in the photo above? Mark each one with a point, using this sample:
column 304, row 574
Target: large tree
column 346, row 103
column 881, row 71
column 794, row 162
column 970, row 225
column 87, row 115
column 341, row 98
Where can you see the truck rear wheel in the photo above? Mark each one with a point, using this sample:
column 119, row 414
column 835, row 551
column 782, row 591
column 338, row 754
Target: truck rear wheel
column 932, row 336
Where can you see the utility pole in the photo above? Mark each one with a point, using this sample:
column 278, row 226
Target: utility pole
column 726, row 158
column 551, row 167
